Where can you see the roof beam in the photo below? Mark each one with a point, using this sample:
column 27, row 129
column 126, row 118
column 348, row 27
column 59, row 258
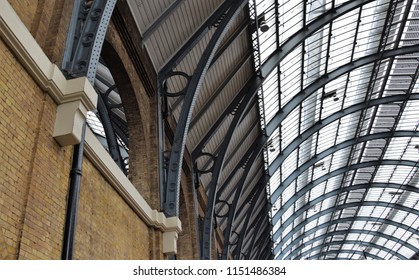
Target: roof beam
column 322, row 81
column 328, row 152
column 372, row 256
column 217, row 168
column 356, row 242
column 249, row 213
column 330, row 210
column 275, row 58
column 352, row 109
column 339, row 191
column 171, row 204
column 158, row 21
column 346, row 232
column 194, row 39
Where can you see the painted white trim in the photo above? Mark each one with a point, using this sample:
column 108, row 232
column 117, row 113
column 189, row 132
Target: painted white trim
column 46, row 74
column 74, row 98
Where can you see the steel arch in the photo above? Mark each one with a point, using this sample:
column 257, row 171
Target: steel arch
column 246, row 222
column 332, row 150
column 340, row 232
column 275, row 58
column 356, row 242
column 339, row 207
column 349, row 252
column 212, row 186
column 348, row 219
column 347, row 189
column 330, row 119
column 171, row 205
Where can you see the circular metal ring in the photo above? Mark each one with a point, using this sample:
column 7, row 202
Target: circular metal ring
column 210, row 168
column 224, row 203
column 182, row 91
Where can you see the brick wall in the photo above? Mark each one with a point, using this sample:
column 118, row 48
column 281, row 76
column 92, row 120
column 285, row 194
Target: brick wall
column 107, row 228
column 34, row 169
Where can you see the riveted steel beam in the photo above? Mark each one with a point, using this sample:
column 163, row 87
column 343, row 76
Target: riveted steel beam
column 328, row 152
column 218, row 165
column 330, row 210
column 253, row 84
column 336, row 192
column 87, row 31
column 233, row 208
column 346, row 232
column 354, row 252
column 218, row 91
column 194, row 39
column 246, row 222
column 171, row 204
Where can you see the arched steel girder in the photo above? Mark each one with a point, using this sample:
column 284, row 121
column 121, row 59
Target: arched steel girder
column 249, row 213
column 274, row 59
column 352, row 109
column 263, row 244
column 233, row 207
column 171, row 205
column 372, row 256
column 110, row 132
column 254, row 236
column 356, row 242
column 263, row 180
column 346, row 189
column 253, row 84
column 325, row 154
column 85, row 37
column 345, row 232
column 217, row 168
column 256, row 81
column 322, row 81
column 193, row 40
column 330, row 210
column 312, row 88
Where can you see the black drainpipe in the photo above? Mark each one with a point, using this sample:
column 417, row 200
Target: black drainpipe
column 73, row 198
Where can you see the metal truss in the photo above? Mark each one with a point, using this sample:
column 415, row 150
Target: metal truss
column 337, row 192
column 273, row 61
column 344, row 232
column 355, row 242
column 104, row 111
column 212, row 187
column 156, row 24
column 352, row 109
column 322, row 81
column 171, row 204
column 326, row 153
column 338, row 207
column 249, row 213
column 87, row 31
column 354, row 252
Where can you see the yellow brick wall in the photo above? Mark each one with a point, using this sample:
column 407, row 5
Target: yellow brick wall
column 33, row 168
column 107, row 228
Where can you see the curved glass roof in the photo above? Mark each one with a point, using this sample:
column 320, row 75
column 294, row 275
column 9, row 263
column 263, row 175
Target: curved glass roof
column 340, row 110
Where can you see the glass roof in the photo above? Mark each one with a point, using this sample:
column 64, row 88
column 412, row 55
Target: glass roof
column 344, row 159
